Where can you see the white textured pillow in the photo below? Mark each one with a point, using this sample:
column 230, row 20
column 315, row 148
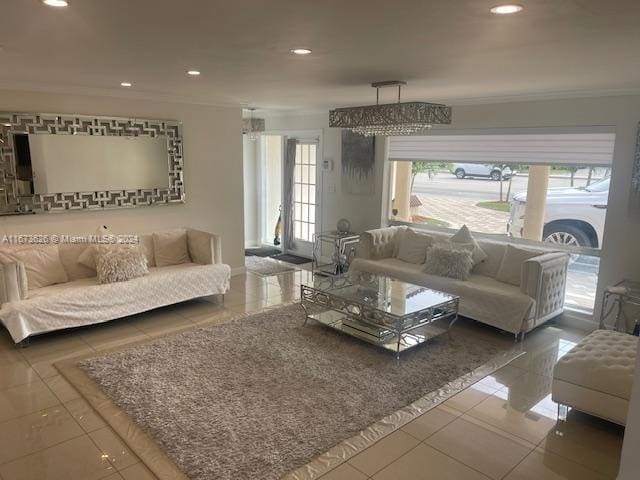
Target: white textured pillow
column 42, row 265
column 464, row 239
column 511, row 266
column 89, row 258
column 446, row 261
column 120, row 265
column 413, row 246
column 170, row 247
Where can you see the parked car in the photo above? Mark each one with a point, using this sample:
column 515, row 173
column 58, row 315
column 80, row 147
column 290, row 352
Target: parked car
column 484, row 170
column 573, row 216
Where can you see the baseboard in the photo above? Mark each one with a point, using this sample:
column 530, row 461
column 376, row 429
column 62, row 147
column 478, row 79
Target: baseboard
column 577, row 320
column 238, row 271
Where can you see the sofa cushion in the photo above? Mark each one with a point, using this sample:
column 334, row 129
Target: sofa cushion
column 447, row 261
column 120, row 265
column 511, row 265
column 413, row 246
column 42, row 265
column 495, row 252
column 146, row 242
column 70, row 254
column 171, row 247
column 464, row 239
column 482, row 298
column 603, row 361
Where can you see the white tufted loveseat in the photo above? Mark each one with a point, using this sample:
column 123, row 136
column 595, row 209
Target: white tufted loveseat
column 596, row 375
column 515, row 309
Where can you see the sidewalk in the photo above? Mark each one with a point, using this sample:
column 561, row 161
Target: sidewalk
column 458, row 212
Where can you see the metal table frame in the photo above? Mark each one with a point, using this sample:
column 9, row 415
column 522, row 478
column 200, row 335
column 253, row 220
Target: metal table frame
column 629, row 296
column 339, row 243
column 373, row 321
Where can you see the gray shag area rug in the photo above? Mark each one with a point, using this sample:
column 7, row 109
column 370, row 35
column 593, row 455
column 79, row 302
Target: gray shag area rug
column 266, row 267
column 260, row 396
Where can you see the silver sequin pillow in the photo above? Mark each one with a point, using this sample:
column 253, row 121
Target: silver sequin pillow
column 446, row 261
column 120, row 265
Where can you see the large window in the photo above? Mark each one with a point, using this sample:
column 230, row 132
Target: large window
column 304, row 192
column 553, row 202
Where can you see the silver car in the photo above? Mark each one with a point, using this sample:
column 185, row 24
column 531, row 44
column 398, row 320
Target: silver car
column 482, row 170
column 573, row 216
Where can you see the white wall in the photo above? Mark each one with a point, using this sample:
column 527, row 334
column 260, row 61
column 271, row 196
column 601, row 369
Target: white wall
column 363, row 211
column 630, row 463
column 251, row 191
column 213, row 171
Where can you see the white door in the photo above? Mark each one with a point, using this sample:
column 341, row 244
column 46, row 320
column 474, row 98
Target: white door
column 305, row 207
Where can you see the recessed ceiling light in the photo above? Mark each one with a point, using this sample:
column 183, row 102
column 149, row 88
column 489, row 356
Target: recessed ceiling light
column 56, row 3
column 126, row 84
column 507, row 9
column 193, row 73
column 301, row 51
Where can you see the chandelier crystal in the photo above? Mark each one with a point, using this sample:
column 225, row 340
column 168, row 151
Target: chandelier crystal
column 401, row 118
column 252, row 127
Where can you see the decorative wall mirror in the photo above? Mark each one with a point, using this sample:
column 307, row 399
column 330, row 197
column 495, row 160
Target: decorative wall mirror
column 52, row 163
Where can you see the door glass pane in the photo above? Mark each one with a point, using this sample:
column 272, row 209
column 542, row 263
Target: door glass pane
column 305, row 192
column 312, row 154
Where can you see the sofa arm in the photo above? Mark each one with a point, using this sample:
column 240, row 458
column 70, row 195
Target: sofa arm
column 13, row 282
column 544, row 278
column 379, row 243
column 204, row 248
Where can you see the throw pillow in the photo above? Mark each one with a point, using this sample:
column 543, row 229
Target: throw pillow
column 511, row 266
column 120, row 265
column 413, row 246
column 88, row 257
column 170, row 247
column 464, row 239
column 42, row 265
column 447, row 261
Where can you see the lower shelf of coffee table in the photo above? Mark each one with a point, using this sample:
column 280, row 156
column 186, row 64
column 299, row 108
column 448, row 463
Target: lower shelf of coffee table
column 382, row 336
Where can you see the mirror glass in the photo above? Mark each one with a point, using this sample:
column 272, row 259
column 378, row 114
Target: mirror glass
column 86, row 163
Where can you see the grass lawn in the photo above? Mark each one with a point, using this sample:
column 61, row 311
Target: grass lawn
column 499, row 206
column 429, row 221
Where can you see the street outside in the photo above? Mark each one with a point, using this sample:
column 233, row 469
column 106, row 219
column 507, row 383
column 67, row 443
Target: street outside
column 452, row 202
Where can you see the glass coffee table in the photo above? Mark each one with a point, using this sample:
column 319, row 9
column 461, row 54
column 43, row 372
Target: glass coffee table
column 380, row 310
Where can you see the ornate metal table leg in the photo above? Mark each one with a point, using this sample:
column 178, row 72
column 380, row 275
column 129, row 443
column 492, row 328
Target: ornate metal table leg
column 455, row 319
column 304, row 307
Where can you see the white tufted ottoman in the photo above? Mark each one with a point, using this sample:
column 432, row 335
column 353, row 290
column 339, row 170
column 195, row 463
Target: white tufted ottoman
column 596, row 375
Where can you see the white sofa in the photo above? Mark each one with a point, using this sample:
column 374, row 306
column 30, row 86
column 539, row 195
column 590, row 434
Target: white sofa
column 82, row 300
column 515, row 309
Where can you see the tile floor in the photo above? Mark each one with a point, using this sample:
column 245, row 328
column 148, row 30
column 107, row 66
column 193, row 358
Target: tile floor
column 503, row 427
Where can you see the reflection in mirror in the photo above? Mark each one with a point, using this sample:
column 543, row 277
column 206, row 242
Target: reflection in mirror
column 74, row 163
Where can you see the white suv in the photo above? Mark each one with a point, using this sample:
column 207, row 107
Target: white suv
column 573, row 216
column 485, row 170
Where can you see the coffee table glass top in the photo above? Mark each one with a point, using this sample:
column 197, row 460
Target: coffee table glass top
column 392, row 296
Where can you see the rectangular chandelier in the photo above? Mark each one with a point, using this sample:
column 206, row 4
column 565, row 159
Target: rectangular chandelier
column 402, row 118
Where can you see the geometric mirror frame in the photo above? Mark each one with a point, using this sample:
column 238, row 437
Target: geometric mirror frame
column 14, row 203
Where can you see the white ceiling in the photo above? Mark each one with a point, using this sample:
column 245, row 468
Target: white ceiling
column 448, row 50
